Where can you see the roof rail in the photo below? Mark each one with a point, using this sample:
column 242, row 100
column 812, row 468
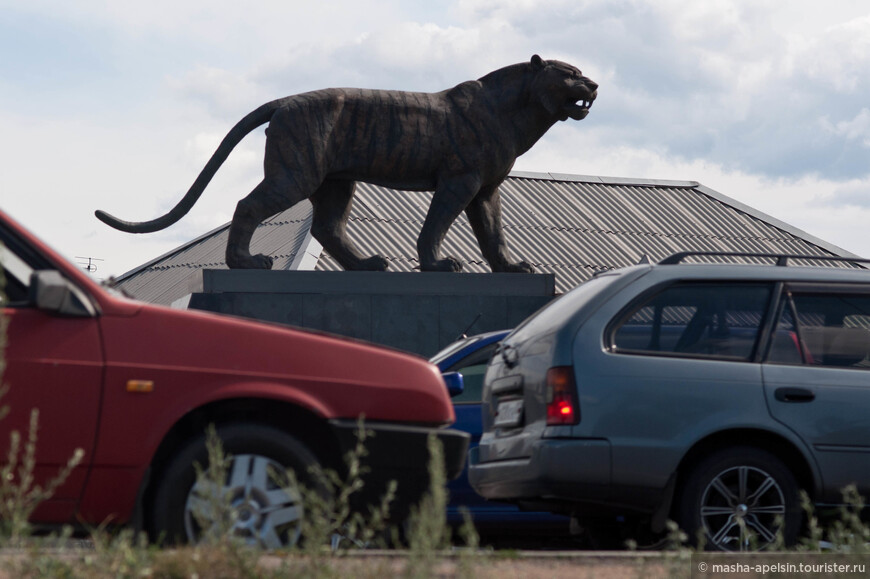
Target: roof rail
column 781, row 258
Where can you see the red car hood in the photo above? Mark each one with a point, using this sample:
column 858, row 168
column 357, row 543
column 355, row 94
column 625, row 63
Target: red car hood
column 333, row 376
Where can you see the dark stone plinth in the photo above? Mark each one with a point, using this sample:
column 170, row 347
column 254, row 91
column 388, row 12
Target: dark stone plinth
column 416, row 312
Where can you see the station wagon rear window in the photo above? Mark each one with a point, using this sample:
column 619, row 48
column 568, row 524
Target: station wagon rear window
column 710, row 320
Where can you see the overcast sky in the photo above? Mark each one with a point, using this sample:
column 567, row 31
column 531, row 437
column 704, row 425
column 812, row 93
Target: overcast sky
column 117, row 105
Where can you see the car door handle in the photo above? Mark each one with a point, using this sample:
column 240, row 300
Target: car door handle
column 794, row 395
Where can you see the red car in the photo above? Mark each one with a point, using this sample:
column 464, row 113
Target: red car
column 136, row 385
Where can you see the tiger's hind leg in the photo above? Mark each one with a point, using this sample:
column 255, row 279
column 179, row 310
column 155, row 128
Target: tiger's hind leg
column 332, row 203
column 287, row 180
column 274, row 194
column 250, row 212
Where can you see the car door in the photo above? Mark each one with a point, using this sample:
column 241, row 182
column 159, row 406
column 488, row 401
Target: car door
column 817, row 379
column 54, row 364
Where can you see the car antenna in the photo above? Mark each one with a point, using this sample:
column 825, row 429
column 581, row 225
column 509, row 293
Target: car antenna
column 90, row 267
column 464, row 334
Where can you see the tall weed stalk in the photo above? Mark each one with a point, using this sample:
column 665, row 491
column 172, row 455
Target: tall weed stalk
column 428, row 533
column 330, row 520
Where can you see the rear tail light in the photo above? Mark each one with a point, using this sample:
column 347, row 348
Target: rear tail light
column 561, row 397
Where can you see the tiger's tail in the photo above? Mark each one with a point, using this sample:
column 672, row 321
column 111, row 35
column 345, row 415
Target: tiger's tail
column 251, row 121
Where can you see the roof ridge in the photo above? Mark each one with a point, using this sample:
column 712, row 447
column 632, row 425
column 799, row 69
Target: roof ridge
column 602, row 180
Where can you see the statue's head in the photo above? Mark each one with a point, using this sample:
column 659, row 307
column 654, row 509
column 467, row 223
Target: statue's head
column 562, row 89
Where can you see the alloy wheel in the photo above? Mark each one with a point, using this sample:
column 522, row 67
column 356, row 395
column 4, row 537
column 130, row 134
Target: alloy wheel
column 742, row 508
column 254, row 503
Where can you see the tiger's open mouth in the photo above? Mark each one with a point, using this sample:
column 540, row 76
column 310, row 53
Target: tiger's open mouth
column 577, row 109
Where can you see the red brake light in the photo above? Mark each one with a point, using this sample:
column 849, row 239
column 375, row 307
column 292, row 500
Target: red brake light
column 561, row 396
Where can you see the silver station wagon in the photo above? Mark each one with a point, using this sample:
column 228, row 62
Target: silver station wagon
column 705, row 393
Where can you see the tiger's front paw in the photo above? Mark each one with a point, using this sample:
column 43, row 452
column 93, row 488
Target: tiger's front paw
column 374, row 263
column 259, row 261
column 446, row 264
column 519, row 267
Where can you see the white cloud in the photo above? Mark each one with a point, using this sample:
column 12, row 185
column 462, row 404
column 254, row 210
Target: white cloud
column 838, row 56
column 856, row 129
column 849, row 195
column 223, row 91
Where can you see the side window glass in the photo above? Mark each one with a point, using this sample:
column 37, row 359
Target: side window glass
column 696, row 319
column 15, row 277
column 834, row 329
column 785, row 346
column 473, row 369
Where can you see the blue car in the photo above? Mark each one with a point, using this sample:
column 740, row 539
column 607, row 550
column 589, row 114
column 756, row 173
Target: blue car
column 470, row 357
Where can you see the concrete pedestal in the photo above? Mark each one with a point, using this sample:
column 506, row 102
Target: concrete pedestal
column 416, row 312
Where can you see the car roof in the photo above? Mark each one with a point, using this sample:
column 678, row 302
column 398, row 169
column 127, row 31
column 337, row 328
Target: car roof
column 779, row 267
column 763, row 272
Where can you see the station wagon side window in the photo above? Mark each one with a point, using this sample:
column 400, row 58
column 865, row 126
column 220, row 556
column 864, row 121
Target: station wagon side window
column 717, row 320
column 831, row 329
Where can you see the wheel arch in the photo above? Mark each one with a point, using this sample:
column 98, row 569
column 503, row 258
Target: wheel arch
column 785, row 449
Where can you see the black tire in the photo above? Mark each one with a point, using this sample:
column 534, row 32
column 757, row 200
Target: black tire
column 266, row 514
column 737, row 497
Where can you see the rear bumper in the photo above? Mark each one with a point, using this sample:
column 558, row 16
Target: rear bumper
column 400, row 453
column 562, row 475
column 558, row 469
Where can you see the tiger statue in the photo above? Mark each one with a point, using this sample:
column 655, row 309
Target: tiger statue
column 460, row 143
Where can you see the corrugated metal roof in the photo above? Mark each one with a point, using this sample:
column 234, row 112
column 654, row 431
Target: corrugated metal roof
column 569, row 225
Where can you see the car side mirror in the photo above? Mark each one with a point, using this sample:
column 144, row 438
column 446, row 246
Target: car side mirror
column 52, row 293
column 455, row 383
